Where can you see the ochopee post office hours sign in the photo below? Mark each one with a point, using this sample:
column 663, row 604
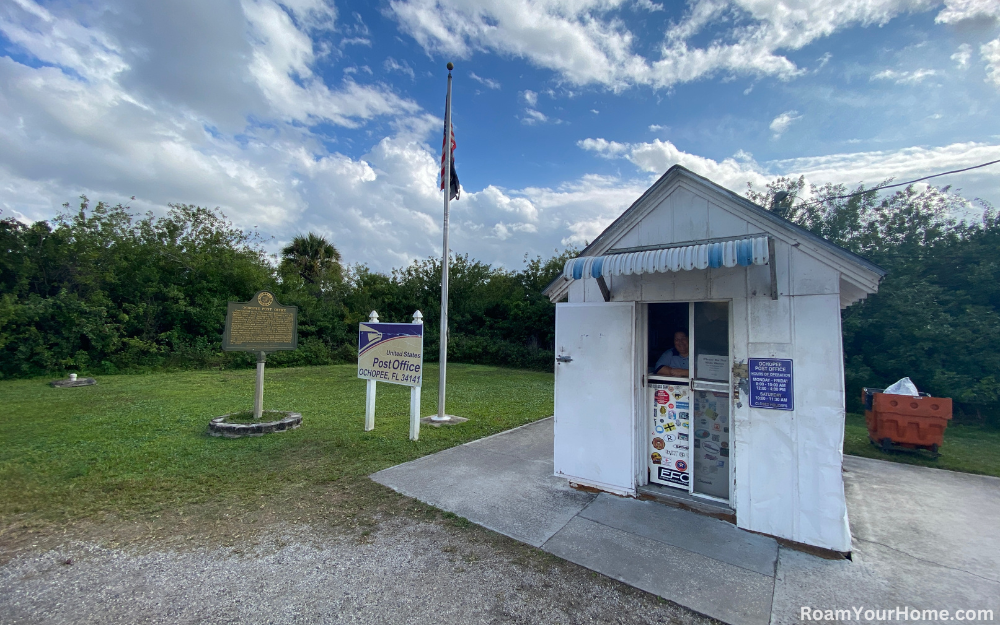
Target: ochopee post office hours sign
column 771, row 384
column 391, row 352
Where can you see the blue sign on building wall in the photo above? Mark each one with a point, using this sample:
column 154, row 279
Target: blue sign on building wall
column 771, row 384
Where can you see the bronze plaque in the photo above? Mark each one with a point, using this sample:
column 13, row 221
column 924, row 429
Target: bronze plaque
column 260, row 325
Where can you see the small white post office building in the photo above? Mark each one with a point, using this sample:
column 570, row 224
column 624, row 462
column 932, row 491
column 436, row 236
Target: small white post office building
column 699, row 354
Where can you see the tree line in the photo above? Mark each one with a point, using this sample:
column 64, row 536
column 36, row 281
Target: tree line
column 101, row 290
column 936, row 316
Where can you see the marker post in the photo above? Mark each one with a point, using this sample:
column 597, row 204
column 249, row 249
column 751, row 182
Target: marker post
column 370, row 396
column 418, row 318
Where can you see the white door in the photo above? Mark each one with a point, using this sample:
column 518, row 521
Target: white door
column 595, row 395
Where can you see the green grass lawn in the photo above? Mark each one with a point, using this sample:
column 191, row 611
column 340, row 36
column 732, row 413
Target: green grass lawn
column 138, row 443
column 967, row 448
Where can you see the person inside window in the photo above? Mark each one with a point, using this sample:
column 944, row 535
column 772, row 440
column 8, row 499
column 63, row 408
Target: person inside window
column 674, row 361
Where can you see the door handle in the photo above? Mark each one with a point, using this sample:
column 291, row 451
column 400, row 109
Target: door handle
column 564, row 359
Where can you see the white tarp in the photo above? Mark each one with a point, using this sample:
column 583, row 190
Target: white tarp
column 903, row 387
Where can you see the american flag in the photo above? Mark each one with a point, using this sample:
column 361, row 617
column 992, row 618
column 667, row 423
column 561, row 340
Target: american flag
column 444, row 153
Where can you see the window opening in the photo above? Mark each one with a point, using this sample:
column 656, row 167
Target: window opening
column 669, row 346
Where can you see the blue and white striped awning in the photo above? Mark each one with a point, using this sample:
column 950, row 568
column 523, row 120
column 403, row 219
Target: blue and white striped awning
column 742, row 252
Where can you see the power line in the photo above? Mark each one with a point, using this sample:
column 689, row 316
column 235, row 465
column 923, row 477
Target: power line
column 900, row 184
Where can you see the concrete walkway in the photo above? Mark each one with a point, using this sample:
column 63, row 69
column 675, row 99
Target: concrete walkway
column 923, row 538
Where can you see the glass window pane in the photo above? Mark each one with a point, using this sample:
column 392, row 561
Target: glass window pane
column 710, row 451
column 711, row 341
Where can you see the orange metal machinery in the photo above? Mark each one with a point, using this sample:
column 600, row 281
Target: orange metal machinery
column 896, row 421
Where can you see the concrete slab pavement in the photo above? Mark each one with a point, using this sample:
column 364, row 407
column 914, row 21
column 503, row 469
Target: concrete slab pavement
column 503, row 482
column 729, row 593
column 948, row 518
column 506, row 483
column 923, row 538
column 709, row 537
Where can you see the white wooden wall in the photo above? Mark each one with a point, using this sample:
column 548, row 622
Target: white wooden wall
column 788, row 479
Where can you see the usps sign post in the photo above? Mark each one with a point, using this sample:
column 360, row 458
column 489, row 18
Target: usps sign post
column 393, row 353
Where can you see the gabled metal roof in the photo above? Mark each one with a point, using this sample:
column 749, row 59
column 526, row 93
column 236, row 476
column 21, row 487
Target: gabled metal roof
column 777, row 226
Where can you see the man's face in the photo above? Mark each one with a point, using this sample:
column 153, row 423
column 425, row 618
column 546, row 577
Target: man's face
column 681, row 343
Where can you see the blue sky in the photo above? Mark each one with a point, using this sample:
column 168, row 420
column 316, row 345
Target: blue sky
column 326, row 116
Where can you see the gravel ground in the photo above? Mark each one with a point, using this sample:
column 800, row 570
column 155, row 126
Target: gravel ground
column 403, row 571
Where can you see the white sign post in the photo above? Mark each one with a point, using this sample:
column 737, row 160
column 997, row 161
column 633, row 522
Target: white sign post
column 393, row 353
column 370, row 394
column 415, row 393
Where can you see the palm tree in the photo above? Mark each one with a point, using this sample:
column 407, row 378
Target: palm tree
column 312, row 256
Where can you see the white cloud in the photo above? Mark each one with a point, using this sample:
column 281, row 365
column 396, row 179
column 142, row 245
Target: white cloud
column 75, row 128
column 900, row 165
column 489, row 83
column 356, row 41
column 223, row 111
column 533, row 117
column 281, row 67
column 392, row 194
column 493, row 199
column 581, row 209
column 959, row 10
column 565, row 37
column 87, row 120
column 87, row 52
column 781, row 123
column 904, row 78
column 850, row 168
column 537, row 220
column 658, row 156
column 587, row 42
column 962, row 55
column 991, row 54
column 79, row 139
column 604, row 148
column 657, row 127
column 648, row 5
column 402, row 67
column 63, row 134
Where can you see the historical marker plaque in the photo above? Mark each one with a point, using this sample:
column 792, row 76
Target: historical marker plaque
column 260, row 325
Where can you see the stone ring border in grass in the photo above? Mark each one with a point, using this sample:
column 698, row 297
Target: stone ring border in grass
column 220, row 427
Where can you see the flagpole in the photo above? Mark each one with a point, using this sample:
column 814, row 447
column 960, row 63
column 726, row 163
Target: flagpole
column 443, row 358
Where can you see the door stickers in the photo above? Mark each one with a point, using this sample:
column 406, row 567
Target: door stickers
column 669, row 421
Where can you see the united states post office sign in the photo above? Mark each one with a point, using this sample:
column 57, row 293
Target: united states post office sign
column 771, row 384
column 391, row 352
